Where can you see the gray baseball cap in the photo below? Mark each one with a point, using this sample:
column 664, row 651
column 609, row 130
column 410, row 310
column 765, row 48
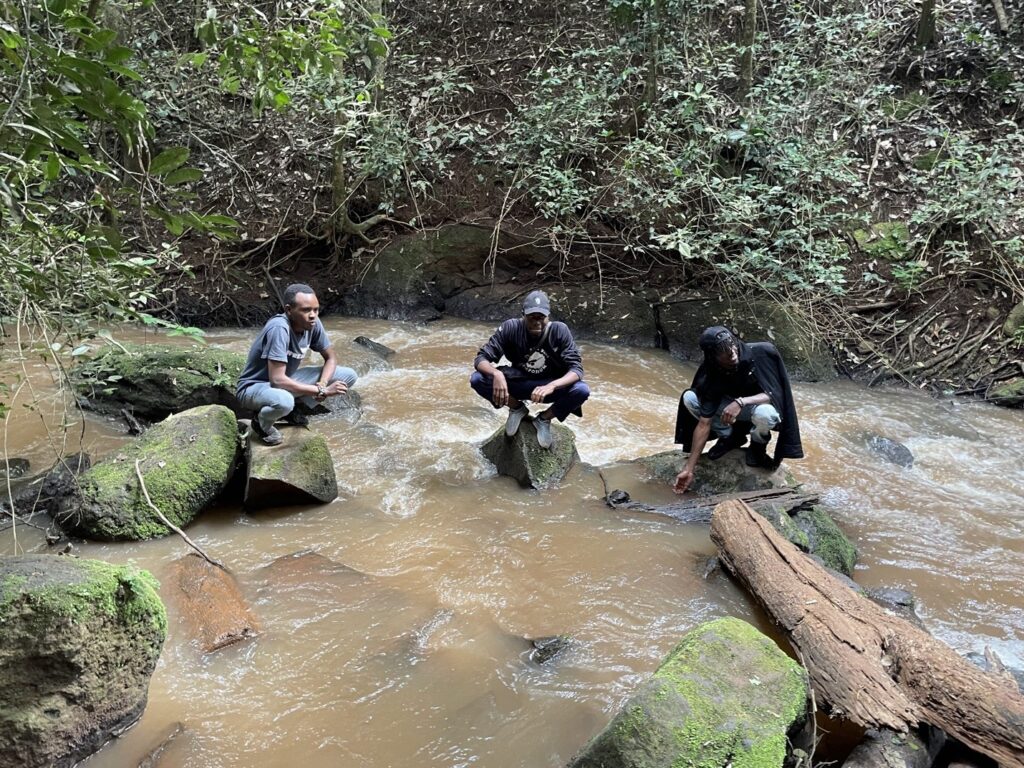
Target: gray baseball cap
column 536, row 302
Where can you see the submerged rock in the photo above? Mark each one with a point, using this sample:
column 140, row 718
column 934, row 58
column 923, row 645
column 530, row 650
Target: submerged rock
column 521, row 457
column 544, row 649
column 79, row 640
column 45, row 493
column 374, row 346
column 889, row 450
column 727, row 695
column 186, row 461
column 826, row 540
column 899, row 601
column 298, row 471
column 885, row 748
column 729, row 474
column 211, row 603
column 154, row 381
column 11, row 468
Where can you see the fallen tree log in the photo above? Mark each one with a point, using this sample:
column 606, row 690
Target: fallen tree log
column 877, row 670
column 699, row 509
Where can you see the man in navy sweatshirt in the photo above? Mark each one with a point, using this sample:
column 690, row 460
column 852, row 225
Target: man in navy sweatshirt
column 545, row 367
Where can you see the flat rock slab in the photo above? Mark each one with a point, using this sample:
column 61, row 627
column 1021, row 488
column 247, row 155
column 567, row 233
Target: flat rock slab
column 211, row 603
column 521, row 457
column 298, row 471
column 79, row 640
column 726, row 696
column 729, row 474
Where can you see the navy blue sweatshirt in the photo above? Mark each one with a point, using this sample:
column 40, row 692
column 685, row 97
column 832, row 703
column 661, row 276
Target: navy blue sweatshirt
column 553, row 359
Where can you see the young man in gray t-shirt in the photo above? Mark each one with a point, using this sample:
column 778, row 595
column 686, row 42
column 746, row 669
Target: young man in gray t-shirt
column 272, row 379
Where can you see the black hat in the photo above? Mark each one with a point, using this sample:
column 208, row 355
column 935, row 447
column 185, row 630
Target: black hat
column 712, row 337
column 536, row 302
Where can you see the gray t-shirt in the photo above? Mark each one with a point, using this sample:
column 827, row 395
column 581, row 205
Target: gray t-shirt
column 277, row 341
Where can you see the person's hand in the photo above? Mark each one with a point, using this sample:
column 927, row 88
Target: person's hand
column 499, row 389
column 683, row 480
column 730, row 413
column 539, row 393
column 334, row 388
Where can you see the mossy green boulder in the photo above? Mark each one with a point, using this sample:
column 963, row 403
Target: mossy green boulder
column 825, row 539
column 79, row 640
column 1008, row 393
column 298, row 471
column 155, row 380
column 726, row 696
column 521, row 457
column 186, row 461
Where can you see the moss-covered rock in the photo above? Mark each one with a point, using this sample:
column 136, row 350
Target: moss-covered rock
column 726, row 696
column 807, row 356
column 826, row 540
column 79, row 640
column 612, row 315
column 1008, row 393
column 156, row 380
column 884, row 239
column 521, row 457
column 186, row 462
column 729, row 474
column 1014, row 324
column 298, row 471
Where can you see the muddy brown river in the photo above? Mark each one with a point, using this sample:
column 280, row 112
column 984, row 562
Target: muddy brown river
column 420, row 661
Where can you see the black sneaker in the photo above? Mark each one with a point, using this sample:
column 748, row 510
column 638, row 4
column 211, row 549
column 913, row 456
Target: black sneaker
column 724, row 445
column 757, row 456
column 297, row 419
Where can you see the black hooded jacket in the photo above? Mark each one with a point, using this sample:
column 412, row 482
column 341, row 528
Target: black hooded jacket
column 770, row 371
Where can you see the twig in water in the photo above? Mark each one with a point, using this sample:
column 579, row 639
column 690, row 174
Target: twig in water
column 169, row 524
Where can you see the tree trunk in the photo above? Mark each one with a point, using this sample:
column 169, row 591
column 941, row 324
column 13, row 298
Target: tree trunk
column 926, row 25
column 874, row 669
column 747, row 44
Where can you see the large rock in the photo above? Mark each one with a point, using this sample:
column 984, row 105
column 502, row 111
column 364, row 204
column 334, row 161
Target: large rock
column 889, row 450
column 414, row 276
column 729, row 474
column 211, row 603
column 726, row 696
column 186, row 461
column 154, row 381
column 46, row 492
column 826, row 540
column 79, row 640
column 521, row 457
column 807, row 357
column 1008, row 393
column 608, row 314
column 1014, row 324
column 298, row 471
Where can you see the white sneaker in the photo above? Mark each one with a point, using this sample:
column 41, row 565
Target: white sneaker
column 543, row 432
column 515, row 418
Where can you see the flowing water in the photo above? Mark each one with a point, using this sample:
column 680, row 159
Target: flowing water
column 412, row 654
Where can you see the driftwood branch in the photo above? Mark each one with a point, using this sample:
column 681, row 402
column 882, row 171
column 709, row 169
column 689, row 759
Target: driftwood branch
column 875, row 669
column 698, row 510
column 169, row 524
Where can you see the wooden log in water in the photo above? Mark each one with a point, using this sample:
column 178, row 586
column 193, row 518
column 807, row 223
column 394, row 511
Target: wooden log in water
column 876, row 670
column 211, row 603
column 699, row 509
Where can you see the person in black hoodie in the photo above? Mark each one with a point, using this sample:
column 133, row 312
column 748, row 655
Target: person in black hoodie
column 546, row 367
column 739, row 389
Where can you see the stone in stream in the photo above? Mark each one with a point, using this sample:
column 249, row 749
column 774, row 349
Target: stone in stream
column 727, row 695
column 898, row 601
column 298, row 471
column 209, row 600
column 173, row 746
column 373, row 346
column 889, row 450
column 186, row 461
column 729, row 474
column 11, row 468
column 825, row 539
column 1008, row 393
column 521, row 457
column 155, row 380
column 888, row 749
column 79, row 640
column 45, row 492
column 544, row 649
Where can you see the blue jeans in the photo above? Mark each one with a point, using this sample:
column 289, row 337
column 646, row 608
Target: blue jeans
column 564, row 401
column 272, row 403
column 764, row 417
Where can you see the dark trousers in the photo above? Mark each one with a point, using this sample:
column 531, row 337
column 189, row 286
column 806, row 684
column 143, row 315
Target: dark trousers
column 564, row 400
